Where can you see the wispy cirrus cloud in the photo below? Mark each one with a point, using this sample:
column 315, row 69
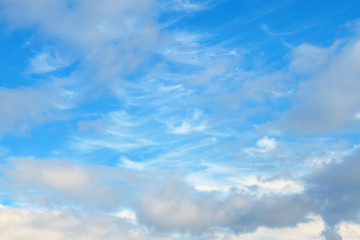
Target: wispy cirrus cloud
column 46, row 62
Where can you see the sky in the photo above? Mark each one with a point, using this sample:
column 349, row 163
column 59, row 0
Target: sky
column 179, row 119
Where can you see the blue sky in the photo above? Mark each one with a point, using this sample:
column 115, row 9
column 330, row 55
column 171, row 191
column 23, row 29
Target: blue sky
column 179, row 119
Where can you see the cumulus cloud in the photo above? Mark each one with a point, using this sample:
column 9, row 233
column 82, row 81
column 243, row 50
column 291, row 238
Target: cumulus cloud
column 174, row 207
column 167, row 204
column 171, row 206
column 21, row 224
column 335, row 188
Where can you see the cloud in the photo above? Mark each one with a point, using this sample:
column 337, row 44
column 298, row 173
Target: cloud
column 116, row 130
column 193, row 124
column 163, row 201
column 329, row 99
column 54, row 183
column 185, row 106
column 186, row 5
column 349, row 230
column 109, row 39
column 46, row 62
column 21, row 224
column 263, row 146
column 29, row 106
column 309, row 230
column 174, row 207
column 335, row 188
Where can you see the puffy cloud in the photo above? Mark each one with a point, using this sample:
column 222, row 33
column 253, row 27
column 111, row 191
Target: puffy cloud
column 174, row 207
column 335, row 188
column 167, row 204
column 349, row 230
column 21, row 224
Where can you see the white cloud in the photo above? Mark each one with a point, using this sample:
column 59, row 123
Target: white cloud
column 186, row 5
column 46, row 62
column 186, row 127
column 263, row 146
column 128, row 215
column 349, row 230
column 22, row 224
column 131, row 164
column 118, row 131
column 266, row 144
column 269, row 186
column 203, row 181
column 194, row 124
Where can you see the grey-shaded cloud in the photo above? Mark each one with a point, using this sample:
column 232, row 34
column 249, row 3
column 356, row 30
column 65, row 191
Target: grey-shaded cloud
column 174, row 207
column 167, row 204
column 335, row 190
column 25, row 107
column 329, row 100
column 61, row 182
